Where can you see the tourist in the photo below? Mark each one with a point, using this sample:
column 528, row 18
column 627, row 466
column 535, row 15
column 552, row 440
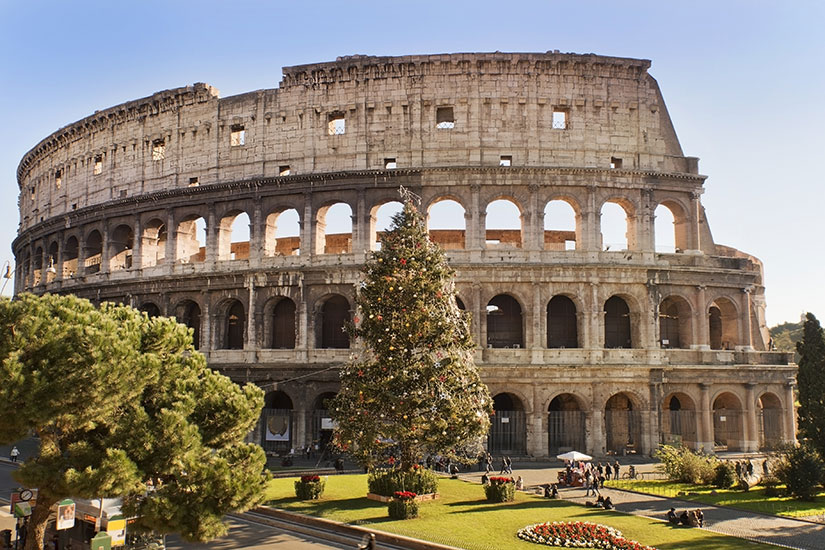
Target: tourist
column 608, row 504
column 672, row 518
column 509, row 464
column 700, row 517
column 14, row 454
column 616, row 470
column 484, row 479
column 519, row 484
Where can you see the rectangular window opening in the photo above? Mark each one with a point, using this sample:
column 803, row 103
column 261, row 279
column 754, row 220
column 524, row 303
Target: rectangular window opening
column 506, row 160
column 33, row 192
column 158, row 149
column 559, row 119
column 194, row 182
column 123, row 193
column 615, row 162
column 284, row 170
column 390, row 164
column 98, row 169
column 337, row 124
column 237, row 136
column 58, row 178
column 444, row 118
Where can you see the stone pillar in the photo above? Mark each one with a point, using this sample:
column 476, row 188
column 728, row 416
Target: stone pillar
column 480, row 317
column 81, row 254
column 538, row 319
column 474, row 231
column 104, row 250
column 206, row 325
column 303, row 325
column 137, row 245
column 534, row 433
column 532, row 237
column 299, row 422
column 595, row 440
column 362, row 225
column 751, row 436
column 696, row 239
column 706, row 436
column 701, row 330
column 748, row 341
column 251, row 329
column 212, row 237
column 257, row 235
column 789, row 413
column 58, row 262
column 653, row 435
column 171, row 239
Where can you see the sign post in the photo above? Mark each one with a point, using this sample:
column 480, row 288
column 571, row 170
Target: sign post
column 65, row 514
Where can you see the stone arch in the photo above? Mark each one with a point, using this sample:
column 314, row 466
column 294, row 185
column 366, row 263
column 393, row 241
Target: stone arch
column 37, row 265
column 381, row 220
column 281, row 323
column 618, row 330
column 616, row 224
column 277, row 422
column 723, row 324
column 333, row 229
column 679, row 420
column 728, row 423
column 503, row 223
column 671, row 227
column 231, row 324
column 675, row 322
column 121, row 244
column 153, row 243
column 566, row 424
column 446, row 223
column 70, row 255
column 562, row 224
column 505, row 324
column 769, row 421
column 282, row 233
column 623, row 424
column 150, row 308
column 233, row 236
column 94, row 252
column 562, row 323
column 190, row 239
column 332, row 315
column 508, row 426
column 188, row 312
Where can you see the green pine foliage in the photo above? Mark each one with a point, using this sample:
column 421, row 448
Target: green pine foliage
column 811, row 379
column 121, row 402
column 412, row 388
column 802, row 471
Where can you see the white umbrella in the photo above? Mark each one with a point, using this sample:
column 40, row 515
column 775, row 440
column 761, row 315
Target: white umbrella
column 574, row 456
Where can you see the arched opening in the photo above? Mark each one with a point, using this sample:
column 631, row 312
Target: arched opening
column 121, row 243
column 150, row 309
column 27, row 267
column 622, row 425
column 722, row 324
column 333, row 316
column 504, row 323
column 770, row 422
column 381, row 220
column 233, row 236
column 283, row 233
column 191, row 240
column 675, row 323
column 561, row 225
column 562, row 323
column 153, row 244
column 234, row 322
column 276, row 423
column 282, row 334
column 188, row 312
column 51, row 267
column 508, row 427
column 671, row 228
column 565, row 425
column 617, row 323
column 333, row 229
column 616, row 227
column 503, row 225
column 728, row 429
column 679, row 420
column 38, row 265
column 70, row 253
column 446, row 224
column 94, row 252
column 322, row 427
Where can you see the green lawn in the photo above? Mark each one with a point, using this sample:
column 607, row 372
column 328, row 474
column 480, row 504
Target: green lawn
column 754, row 500
column 461, row 517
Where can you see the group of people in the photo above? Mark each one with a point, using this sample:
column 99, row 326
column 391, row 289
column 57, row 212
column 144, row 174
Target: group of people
column 690, row 518
column 602, row 502
column 506, row 464
column 590, row 476
column 746, row 468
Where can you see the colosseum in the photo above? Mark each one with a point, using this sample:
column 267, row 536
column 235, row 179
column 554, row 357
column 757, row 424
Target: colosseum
column 249, row 217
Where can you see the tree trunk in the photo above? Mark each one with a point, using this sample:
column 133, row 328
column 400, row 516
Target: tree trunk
column 37, row 521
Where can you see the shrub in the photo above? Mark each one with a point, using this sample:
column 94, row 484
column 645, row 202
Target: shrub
column 500, row 489
column 770, row 483
column 685, row 465
column 309, row 487
column 417, row 480
column 801, row 470
column 403, row 505
column 725, row 475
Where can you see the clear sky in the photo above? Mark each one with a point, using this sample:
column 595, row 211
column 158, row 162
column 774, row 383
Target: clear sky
column 744, row 82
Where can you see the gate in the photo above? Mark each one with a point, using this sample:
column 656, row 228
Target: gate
column 565, row 431
column 508, row 433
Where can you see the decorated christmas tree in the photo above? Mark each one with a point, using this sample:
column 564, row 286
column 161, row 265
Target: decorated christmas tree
column 412, row 388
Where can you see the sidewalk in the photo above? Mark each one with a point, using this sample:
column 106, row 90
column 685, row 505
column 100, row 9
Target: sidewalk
column 780, row 531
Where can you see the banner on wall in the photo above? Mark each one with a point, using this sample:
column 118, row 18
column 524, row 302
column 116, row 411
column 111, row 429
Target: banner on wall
column 277, row 427
column 65, row 514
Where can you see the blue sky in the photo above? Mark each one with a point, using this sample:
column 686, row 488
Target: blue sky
column 744, row 82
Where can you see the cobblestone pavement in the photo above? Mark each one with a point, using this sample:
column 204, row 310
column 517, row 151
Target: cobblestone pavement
column 785, row 532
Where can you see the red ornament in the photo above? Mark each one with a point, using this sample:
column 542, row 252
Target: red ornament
column 360, row 372
column 403, row 261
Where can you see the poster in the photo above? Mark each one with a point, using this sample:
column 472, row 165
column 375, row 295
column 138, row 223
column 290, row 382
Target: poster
column 65, row 514
column 277, row 428
column 328, row 424
column 117, row 530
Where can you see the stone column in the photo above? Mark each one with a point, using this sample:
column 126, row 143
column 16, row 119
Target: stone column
column 171, row 239
column 751, row 437
column 251, row 329
column 303, row 326
column 706, row 437
column 206, row 325
column 748, row 341
column 299, row 421
column 789, row 413
column 534, row 432
column 696, row 241
column 595, row 441
column 104, row 251
column 212, row 236
column 701, row 330
column 538, row 319
column 361, row 226
column 58, row 262
column 473, row 221
column 257, row 235
column 137, row 245
column 480, row 317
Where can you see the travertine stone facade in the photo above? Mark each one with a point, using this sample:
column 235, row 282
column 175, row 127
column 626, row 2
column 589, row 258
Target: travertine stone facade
column 586, row 346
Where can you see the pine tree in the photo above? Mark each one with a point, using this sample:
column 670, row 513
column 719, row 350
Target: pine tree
column 412, row 385
column 811, row 380
column 120, row 401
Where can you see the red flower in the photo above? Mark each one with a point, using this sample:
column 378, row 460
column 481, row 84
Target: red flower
column 310, row 479
column 404, row 495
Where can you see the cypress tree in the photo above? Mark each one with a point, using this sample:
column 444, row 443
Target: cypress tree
column 811, row 379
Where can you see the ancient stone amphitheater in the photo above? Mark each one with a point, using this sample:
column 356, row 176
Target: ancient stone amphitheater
column 219, row 212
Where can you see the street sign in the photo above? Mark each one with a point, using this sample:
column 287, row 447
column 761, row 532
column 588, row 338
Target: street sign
column 65, row 514
column 117, row 530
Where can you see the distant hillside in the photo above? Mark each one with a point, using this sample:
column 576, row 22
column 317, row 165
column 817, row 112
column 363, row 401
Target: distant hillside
column 786, row 335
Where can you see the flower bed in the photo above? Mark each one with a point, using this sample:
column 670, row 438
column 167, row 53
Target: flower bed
column 579, row 534
column 309, row 487
column 501, row 489
column 403, row 505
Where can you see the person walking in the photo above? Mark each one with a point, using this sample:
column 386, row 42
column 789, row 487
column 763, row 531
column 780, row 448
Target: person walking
column 14, row 454
column 616, row 470
column 489, row 463
column 508, row 463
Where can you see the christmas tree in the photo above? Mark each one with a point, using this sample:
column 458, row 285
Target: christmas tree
column 412, row 387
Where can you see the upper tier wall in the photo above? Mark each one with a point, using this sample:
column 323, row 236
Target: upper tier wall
column 501, row 105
